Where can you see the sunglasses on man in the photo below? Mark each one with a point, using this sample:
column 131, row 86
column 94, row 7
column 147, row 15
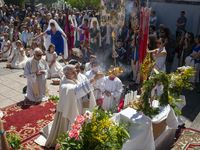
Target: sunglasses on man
column 39, row 55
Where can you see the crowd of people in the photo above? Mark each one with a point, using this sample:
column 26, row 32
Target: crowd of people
column 33, row 40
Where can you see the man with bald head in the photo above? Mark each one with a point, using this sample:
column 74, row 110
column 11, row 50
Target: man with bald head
column 70, row 104
column 36, row 72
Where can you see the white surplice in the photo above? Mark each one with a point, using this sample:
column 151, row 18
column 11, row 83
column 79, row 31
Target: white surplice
column 97, row 93
column 115, row 88
column 18, row 61
column 31, row 78
column 67, row 110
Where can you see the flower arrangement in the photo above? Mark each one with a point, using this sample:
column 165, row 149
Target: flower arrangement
column 172, row 87
column 93, row 131
column 179, row 80
column 147, row 88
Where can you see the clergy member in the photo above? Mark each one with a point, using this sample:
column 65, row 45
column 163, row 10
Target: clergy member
column 97, row 85
column 36, row 72
column 82, row 78
column 70, row 91
column 112, row 90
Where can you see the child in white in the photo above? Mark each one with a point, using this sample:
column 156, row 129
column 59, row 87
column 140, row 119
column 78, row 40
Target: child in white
column 15, row 39
column 112, row 90
column 31, row 52
column 19, row 57
column 55, row 69
column 6, row 47
column 30, row 35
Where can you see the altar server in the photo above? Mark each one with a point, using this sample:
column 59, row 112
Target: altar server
column 36, row 72
column 112, row 90
column 98, row 85
column 68, row 107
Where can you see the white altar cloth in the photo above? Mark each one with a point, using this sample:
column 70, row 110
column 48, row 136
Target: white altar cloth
column 140, row 130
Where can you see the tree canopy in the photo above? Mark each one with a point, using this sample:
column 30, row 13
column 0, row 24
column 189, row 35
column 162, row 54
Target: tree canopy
column 82, row 4
column 15, row 2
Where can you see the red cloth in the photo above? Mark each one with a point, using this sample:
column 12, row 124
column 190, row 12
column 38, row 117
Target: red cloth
column 143, row 35
column 28, row 118
column 72, row 38
column 87, row 34
column 67, row 30
column 99, row 102
column 112, row 78
column 121, row 103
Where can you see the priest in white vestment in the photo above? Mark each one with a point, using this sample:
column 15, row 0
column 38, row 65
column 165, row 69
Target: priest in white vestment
column 98, row 85
column 112, row 90
column 82, row 78
column 36, row 72
column 71, row 91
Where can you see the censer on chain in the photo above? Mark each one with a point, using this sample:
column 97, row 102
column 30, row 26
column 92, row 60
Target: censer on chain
column 115, row 72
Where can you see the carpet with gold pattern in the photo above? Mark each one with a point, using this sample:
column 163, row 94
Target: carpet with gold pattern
column 27, row 118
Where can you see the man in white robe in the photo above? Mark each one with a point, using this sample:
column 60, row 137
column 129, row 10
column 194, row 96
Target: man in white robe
column 36, row 72
column 68, row 107
column 112, row 90
column 82, row 78
column 98, row 85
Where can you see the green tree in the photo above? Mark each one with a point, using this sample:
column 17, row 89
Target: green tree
column 82, row 4
column 15, row 2
column 48, row 3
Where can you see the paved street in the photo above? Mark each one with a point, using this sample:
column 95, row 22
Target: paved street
column 12, row 83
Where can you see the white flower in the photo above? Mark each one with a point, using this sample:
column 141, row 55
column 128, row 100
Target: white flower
column 184, row 68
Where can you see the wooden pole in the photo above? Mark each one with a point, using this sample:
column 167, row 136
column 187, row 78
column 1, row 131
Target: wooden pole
column 113, row 36
column 147, row 3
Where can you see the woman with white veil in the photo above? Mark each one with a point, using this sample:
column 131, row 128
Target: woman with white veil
column 94, row 34
column 57, row 37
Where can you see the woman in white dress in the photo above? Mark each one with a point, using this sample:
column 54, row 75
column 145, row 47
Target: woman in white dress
column 6, row 47
column 160, row 55
column 55, row 69
column 19, row 59
column 15, row 39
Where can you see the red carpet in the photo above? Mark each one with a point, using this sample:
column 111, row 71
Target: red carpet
column 27, row 118
column 188, row 139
